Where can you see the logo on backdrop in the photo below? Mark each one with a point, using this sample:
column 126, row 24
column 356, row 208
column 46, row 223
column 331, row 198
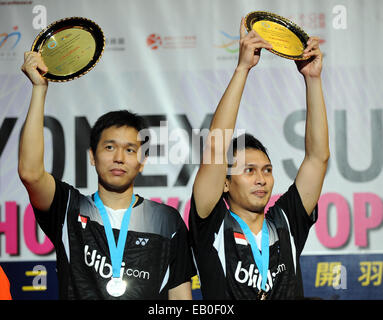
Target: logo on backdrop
column 228, row 42
column 227, row 46
column 155, row 41
column 115, row 43
column 8, row 42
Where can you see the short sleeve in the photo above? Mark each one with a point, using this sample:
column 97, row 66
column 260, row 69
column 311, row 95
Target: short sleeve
column 51, row 221
column 299, row 221
column 202, row 230
column 182, row 267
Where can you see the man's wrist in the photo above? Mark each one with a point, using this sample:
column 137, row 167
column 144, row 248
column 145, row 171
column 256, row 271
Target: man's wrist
column 242, row 69
column 40, row 87
column 312, row 79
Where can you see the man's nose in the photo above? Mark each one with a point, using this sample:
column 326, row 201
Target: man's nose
column 119, row 155
column 259, row 178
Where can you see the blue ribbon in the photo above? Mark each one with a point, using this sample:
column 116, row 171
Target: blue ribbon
column 116, row 251
column 261, row 259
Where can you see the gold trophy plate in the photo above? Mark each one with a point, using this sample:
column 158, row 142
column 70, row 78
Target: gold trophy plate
column 70, row 48
column 287, row 38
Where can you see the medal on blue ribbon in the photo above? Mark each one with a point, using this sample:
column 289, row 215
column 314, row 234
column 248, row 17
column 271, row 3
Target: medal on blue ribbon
column 116, row 286
column 261, row 258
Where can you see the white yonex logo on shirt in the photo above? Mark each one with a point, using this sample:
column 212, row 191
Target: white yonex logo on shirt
column 105, row 269
column 142, row 241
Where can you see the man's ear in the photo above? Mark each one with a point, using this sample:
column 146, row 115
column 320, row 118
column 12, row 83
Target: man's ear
column 142, row 164
column 91, row 156
column 226, row 187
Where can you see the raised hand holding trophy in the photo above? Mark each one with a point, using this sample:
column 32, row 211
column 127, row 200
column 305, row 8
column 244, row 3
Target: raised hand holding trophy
column 70, row 48
column 287, row 38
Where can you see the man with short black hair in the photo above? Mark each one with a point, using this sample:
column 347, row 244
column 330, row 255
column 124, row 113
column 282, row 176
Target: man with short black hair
column 113, row 244
column 241, row 253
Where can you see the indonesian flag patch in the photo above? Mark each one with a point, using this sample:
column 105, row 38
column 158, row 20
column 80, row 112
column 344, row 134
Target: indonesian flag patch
column 240, row 238
column 83, row 220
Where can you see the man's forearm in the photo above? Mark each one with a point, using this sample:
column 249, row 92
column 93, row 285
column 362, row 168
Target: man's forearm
column 226, row 113
column 181, row 292
column 316, row 137
column 31, row 147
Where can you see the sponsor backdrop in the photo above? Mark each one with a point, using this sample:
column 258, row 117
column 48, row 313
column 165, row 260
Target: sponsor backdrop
column 171, row 61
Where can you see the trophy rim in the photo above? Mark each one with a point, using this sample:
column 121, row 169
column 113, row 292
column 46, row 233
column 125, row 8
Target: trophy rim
column 290, row 25
column 45, row 34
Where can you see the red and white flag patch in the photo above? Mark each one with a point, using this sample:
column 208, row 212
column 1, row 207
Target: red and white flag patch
column 240, row 238
column 83, row 220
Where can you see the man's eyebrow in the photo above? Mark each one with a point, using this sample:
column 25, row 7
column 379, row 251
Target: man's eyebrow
column 127, row 144
column 256, row 166
column 109, row 141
